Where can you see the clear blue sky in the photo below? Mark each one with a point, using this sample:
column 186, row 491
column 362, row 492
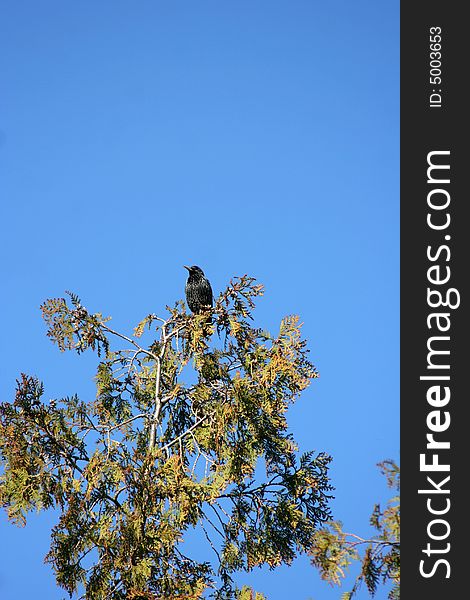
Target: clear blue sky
column 255, row 137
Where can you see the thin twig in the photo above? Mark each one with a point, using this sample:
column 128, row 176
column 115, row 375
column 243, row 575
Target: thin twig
column 210, row 541
column 185, row 433
column 128, row 339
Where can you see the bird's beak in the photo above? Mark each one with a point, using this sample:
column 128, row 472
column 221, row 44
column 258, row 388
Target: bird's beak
column 189, row 268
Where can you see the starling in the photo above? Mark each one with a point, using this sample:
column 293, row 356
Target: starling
column 198, row 290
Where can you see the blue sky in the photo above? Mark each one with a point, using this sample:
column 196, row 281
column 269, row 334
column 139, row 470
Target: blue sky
column 246, row 137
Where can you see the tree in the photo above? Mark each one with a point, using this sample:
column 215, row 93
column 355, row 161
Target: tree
column 246, row 593
column 187, row 432
column 333, row 550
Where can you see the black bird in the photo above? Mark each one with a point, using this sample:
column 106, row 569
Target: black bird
column 198, row 290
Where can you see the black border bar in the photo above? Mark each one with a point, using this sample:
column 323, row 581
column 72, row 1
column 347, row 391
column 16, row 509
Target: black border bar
column 435, row 359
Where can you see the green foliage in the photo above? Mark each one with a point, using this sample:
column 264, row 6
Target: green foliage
column 246, row 593
column 187, row 432
column 333, row 550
